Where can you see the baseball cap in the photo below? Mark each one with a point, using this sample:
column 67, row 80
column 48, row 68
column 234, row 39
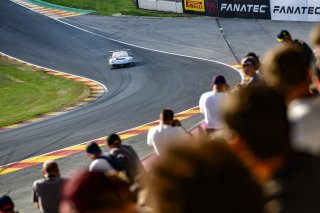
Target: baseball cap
column 6, row 203
column 282, row 34
column 113, row 139
column 218, row 79
column 93, row 148
column 249, row 61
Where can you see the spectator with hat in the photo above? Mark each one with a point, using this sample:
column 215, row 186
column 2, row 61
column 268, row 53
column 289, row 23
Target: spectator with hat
column 6, row 204
column 209, row 103
column 47, row 191
column 127, row 156
column 99, row 161
column 250, row 66
column 285, row 38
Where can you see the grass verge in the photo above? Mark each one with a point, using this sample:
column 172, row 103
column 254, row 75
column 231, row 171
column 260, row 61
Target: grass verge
column 26, row 92
column 109, row 7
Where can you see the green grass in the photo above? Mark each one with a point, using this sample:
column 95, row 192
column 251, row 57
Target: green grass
column 109, row 7
column 26, row 93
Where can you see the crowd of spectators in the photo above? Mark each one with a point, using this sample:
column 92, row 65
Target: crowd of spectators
column 259, row 151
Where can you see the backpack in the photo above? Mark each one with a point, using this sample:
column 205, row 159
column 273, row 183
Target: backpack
column 114, row 162
column 117, row 165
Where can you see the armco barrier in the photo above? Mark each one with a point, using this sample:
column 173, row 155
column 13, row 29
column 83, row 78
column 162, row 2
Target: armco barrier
column 167, row 6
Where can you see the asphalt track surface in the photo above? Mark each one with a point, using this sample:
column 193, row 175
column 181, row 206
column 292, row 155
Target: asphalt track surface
column 135, row 95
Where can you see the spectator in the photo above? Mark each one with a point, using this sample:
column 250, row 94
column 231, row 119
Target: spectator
column 210, row 104
column 96, row 192
column 285, row 38
column 287, row 71
column 47, row 191
column 126, row 156
column 99, row 161
column 203, row 177
column 250, row 67
column 315, row 39
column 6, row 204
column 165, row 133
column 255, row 56
column 258, row 122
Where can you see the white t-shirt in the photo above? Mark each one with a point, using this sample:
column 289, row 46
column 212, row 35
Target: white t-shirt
column 101, row 165
column 304, row 116
column 210, row 107
column 162, row 135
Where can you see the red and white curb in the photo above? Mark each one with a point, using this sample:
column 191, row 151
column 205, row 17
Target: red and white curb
column 81, row 147
column 58, row 13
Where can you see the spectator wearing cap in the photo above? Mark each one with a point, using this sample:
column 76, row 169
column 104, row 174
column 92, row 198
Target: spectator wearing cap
column 99, row 162
column 127, row 156
column 209, row 103
column 97, row 192
column 250, row 67
column 47, row 191
column 6, row 204
column 165, row 133
column 285, row 38
column 255, row 56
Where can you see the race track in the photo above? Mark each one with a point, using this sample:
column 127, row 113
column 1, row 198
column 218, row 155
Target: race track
column 135, row 95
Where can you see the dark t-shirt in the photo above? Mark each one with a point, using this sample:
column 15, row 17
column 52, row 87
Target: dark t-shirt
column 296, row 187
column 129, row 159
column 48, row 193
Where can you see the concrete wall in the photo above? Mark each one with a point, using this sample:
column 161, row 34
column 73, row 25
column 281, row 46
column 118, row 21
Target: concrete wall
column 168, row 6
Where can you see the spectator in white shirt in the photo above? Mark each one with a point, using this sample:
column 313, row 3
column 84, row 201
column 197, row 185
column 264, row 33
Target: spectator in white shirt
column 166, row 132
column 210, row 104
column 99, row 161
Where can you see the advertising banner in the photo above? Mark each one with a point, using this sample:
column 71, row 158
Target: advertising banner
column 211, row 7
column 295, row 10
column 194, row 6
column 259, row 9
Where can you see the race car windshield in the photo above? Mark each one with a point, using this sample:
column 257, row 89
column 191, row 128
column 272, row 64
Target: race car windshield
column 119, row 54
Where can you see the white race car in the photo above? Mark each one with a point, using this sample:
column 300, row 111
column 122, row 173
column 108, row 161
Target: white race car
column 120, row 58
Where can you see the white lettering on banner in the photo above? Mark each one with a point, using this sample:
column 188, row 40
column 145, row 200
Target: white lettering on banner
column 296, row 10
column 247, row 8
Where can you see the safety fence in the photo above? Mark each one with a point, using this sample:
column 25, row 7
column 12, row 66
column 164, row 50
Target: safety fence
column 293, row 10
